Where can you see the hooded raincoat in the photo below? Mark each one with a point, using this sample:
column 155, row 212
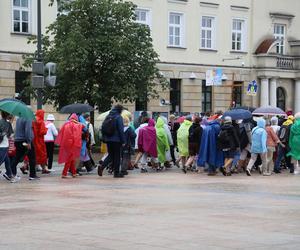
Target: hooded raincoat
column 162, row 140
column 294, row 141
column 147, row 139
column 39, row 131
column 259, row 138
column 209, row 153
column 183, row 138
column 69, row 140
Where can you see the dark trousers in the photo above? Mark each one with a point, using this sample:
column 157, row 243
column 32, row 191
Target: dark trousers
column 282, row 153
column 5, row 158
column 114, row 153
column 172, row 151
column 21, row 152
column 50, row 149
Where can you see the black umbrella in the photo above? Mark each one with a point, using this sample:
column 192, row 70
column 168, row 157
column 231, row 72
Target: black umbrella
column 76, row 108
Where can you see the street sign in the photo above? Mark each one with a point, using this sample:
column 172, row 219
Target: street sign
column 252, row 88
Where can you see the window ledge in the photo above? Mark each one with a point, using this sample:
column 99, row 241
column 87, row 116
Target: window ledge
column 20, row 34
column 175, row 47
column 209, row 50
column 238, row 52
column 178, row 1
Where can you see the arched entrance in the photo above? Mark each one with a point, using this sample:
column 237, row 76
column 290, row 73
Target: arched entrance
column 281, row 98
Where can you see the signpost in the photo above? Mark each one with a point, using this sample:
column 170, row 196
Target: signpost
column 252, row 88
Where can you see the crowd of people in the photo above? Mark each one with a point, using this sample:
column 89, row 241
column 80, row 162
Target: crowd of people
column 201, row 143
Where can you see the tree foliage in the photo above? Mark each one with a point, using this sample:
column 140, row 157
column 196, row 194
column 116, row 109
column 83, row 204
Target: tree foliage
column 102, row 54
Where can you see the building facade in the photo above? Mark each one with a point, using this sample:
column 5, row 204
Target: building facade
column 245, row 40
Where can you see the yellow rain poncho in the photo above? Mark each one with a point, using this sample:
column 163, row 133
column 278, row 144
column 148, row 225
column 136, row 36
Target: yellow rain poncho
column 162, row 140
column 183, row 138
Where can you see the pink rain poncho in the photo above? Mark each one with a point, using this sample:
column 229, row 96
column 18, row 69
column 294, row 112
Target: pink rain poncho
column 147, row 139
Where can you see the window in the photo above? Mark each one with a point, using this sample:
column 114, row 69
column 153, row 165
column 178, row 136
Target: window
column 142, row 16
column 206, row 97
column 280, row 92
column 207, row 32
column 175, row 95
column 279, row 33
column 238, row 35
column 141, row 103
column 21, row 16
column 237, row 94
column 21, row 83
column 176, row 32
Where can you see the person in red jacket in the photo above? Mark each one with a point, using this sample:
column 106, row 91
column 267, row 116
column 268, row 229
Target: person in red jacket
column 69, row 140
column 39, row 131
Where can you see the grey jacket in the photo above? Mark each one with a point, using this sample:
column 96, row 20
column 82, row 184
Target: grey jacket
column 24, row 131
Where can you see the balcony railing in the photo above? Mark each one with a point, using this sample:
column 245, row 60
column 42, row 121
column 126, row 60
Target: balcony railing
column 278, row 61
column 285, row 63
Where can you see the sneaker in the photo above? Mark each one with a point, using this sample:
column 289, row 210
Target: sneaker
column 118, row 175
column 6, row 177
column 223, row 171
column 248, row 172
column 32, row 178
column 260, row 169
column 13, row 180
column 46, row 171
column 17, row 177
column 183, row 170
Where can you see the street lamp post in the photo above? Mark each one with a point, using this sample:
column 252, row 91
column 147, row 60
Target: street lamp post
column 39, row 51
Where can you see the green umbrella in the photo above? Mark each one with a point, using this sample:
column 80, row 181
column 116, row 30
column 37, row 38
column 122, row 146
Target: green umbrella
column 16, row 108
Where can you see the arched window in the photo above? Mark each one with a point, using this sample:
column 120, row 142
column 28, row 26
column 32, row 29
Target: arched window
column 281, row 98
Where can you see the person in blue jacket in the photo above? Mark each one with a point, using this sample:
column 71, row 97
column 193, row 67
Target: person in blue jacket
column 259, row 145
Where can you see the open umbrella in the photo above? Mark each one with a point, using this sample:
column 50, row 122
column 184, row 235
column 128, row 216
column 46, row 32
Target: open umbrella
column 76, row 108
column 269, row 110
column 103, row 115
column 17, row 108
column 251, row 109
column 238, row 114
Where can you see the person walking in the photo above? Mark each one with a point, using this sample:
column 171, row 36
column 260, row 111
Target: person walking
column 91, row 140
column 272, row 142
column 69, row 140
column 294, row 140
column 40, row 130
column 183, row 140
column 49, row 138
column 147, row 144
column 283, row 135
column 258, row 146
column 6, row 131
column 24, row 146
column 209, row 154
column 113, row 135
column 174, row 126
column 162, row 142
column 127, row 148
column 228, row 141
column 195, row 134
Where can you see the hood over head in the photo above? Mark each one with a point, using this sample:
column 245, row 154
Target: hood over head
column 261, row 123
column 151, row 123
column 73, row 117
column 40, row 114
column 160, row 123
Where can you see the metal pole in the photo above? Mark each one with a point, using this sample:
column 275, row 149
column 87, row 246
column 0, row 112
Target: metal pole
column 39, row 51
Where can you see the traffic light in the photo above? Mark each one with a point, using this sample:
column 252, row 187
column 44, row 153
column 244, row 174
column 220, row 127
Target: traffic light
column 39, row 70
column 50, row 69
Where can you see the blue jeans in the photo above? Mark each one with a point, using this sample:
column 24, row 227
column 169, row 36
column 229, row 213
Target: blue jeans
column 4, row 158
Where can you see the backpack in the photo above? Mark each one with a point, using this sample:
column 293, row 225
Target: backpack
column 109, row 126
column 223, row 140
column 283, row 133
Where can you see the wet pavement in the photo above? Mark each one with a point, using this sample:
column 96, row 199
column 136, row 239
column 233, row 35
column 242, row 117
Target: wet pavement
column 166, row 210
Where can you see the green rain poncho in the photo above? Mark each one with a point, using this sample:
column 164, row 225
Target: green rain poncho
column 294, row 141
column 183, row 138
column 162, row 140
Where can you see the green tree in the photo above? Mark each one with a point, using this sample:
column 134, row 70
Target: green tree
column 102, row 55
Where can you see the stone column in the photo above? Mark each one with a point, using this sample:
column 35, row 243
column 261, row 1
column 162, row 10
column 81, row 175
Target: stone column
column 264, row 92
column 297, row 96
column 273, row 94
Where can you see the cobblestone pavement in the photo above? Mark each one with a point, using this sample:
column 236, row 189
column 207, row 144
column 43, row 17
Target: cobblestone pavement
column 167, row 210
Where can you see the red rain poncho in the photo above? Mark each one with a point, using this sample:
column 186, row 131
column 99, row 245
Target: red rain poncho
column 69, row 140
column 39, row 130
column 147, row 139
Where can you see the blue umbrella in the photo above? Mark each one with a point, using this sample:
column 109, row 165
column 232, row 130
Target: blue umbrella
column 238, row 114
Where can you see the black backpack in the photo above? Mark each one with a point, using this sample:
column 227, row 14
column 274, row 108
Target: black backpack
column 283, row 133
column 223, row 140
column 108, row 126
